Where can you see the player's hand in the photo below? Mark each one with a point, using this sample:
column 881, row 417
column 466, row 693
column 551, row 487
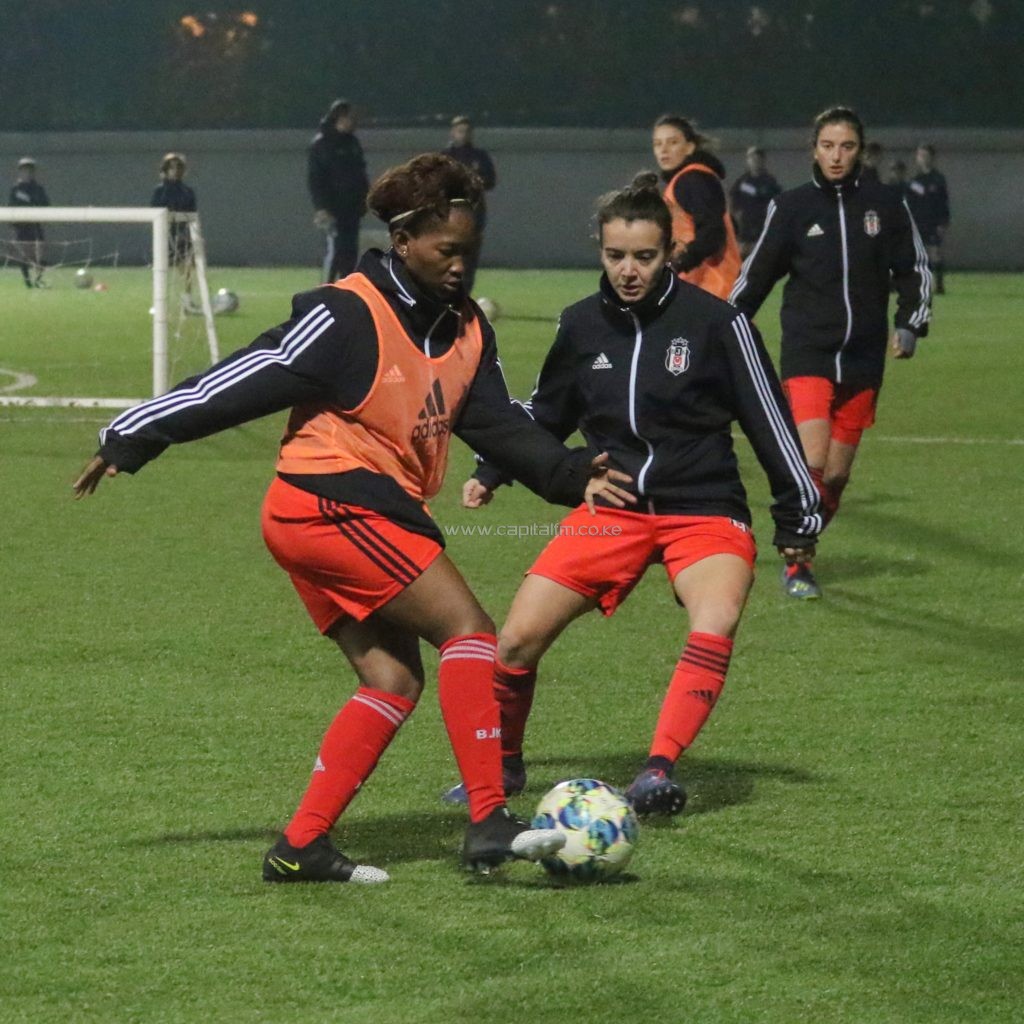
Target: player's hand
column 323, row 220
column 603, row 481
column 903, row 343
column 89, row 479
column 799, row 556
column 475, row 494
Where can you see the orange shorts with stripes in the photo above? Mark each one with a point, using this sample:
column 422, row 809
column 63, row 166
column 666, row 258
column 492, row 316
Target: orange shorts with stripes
column 606, row 555
column 342, row 559
column 850, row 411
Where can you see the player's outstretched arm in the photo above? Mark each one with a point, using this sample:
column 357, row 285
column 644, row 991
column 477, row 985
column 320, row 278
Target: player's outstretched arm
column 89, row 479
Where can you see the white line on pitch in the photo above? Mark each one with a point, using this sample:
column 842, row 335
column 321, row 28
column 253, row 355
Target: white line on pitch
column 21, row 380
column 949, row 440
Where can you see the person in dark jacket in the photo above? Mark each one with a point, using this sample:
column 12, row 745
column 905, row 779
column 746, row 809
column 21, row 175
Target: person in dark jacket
column 928, row 197
column 704, row 247
column 654, row 371
column 177, row 197
column 380, row 369
column 871, row 163
column 28, row 236
column 749, row 197
column 460, row 147
column 336, row 176
column 841, row 242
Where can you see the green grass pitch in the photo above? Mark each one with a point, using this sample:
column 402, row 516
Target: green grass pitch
column 853, row 847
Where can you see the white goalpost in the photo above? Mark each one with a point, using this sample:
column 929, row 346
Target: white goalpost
column 160, row 220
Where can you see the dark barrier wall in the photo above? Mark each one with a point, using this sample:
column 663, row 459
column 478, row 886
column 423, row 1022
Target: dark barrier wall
column 255, row 210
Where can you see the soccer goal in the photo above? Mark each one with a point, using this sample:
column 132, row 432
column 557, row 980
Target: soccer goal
column 179, row 270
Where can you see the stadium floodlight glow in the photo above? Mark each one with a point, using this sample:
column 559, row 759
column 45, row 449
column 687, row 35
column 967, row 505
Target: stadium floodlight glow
column 160, row 218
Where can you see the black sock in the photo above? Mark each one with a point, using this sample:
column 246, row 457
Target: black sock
column 661, row 764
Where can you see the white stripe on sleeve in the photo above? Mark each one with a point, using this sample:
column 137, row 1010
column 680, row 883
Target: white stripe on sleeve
column 297, row 340
column 794, row 458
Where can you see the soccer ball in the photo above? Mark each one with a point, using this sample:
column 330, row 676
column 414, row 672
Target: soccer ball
column 489, row 308
column 600, row 830
column 83, row 279
column 225, row 301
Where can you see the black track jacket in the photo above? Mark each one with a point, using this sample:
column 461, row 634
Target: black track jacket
column 657, row 386
column 326, row 354
column 840, row 244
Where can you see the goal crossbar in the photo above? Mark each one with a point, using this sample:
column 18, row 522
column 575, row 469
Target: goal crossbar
column 160, row 218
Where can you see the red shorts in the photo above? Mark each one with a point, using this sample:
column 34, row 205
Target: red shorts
column 605, row 556
column 850, row 411
column 342, row 559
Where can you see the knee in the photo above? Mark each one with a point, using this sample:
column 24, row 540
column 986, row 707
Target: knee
column 517, row 649
column 396, row 679
column 467, row 622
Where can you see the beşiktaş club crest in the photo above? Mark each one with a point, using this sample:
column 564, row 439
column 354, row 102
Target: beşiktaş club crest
column 872, row 223
column 677, row 359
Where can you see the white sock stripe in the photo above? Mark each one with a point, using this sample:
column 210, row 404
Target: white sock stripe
column 382, row 707
column 482, row 645
column 489, row 658
column 291, row 346
column 794, row 458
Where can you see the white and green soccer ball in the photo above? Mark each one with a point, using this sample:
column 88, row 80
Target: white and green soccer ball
column 225, row 301
column 489, row 308
column 83, row 279
column 600, row 830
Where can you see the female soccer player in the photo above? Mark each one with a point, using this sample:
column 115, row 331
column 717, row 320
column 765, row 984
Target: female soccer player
column 380, row 369
column 841, row 241
column 654, row 371
column 704, row 247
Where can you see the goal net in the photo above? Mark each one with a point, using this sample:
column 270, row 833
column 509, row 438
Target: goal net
column 90, row 328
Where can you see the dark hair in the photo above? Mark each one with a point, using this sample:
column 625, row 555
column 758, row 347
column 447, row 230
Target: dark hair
column 640, row 200
column 422, row 191
column 838, row 115
column 928, row 147
column 334, row 111
column 756, row 151
column 687, row 127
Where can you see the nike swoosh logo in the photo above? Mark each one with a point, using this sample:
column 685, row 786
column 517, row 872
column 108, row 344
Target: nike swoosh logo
column 277, row 864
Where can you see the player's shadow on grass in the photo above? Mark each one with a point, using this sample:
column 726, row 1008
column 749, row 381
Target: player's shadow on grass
column 843, row 568
column 435, row 833
column 711, row 785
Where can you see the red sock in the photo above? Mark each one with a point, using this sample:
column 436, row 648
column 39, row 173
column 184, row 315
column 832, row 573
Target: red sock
column 830, row 495
column 470, row 712
column 352, row 745
column 692, row 693
column 514, row 689
column 833, row 495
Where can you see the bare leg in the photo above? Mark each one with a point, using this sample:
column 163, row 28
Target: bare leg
column 540, row 612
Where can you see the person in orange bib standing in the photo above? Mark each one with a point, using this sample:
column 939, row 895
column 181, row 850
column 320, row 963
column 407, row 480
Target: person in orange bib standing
column 379, row 370
column 704, row 247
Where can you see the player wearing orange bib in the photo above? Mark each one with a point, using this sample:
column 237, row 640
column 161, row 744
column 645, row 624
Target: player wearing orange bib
column 704, row 247
column 380, row 369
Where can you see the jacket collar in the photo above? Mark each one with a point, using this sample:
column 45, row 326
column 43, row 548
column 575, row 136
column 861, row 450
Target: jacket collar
column 845, row 185
column 649, row 308
column 427, row 319
column 698, row 156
